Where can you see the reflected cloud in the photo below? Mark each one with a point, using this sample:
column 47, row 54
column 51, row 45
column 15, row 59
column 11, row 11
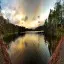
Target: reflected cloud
column 29, row 46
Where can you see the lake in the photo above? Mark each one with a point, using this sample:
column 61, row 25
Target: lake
column 29, row 48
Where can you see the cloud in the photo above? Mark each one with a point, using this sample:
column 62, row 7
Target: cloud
column 12, row 15
column 25, row 12
column 19, row 19
column 18, row 14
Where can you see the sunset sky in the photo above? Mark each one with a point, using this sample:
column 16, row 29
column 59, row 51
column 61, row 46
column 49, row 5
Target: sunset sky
column 17, row 11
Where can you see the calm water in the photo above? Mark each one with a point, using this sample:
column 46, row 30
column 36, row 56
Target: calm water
column 29, row 49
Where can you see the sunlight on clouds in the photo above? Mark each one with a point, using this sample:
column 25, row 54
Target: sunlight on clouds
column 16, row 13
column 18, row 18
column 12, row 15
column 17, row 10
column 32, row 24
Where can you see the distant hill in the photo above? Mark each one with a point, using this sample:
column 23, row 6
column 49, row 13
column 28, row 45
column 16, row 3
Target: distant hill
column 6, row 27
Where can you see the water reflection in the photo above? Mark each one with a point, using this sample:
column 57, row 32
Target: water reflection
column 29, row 49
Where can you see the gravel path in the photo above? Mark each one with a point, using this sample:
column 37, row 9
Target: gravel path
column 58, row 55
column 4, row 56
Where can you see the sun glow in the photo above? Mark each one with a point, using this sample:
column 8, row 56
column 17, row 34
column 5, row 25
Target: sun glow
column 18, row 18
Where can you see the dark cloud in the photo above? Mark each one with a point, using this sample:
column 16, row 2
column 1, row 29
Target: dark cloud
column 26, row 18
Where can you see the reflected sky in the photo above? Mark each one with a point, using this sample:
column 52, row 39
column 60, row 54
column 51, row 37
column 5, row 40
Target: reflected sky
column 29, row 49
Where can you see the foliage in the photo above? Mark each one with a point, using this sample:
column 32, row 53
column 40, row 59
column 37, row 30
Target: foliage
column 54, row 25
column 7, row 28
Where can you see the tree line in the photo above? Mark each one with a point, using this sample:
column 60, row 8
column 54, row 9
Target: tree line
column 54, row 24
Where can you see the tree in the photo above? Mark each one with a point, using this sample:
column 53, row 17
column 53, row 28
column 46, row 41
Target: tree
column 58, row 10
